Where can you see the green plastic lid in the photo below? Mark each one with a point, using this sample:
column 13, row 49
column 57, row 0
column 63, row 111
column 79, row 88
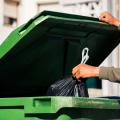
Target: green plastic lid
column 47, row 47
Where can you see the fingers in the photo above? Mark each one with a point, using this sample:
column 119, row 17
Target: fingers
column 78, row 75
column 75, row 69
column 107, row 17
column 103, row 17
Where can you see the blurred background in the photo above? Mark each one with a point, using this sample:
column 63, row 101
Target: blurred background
column 16, row 12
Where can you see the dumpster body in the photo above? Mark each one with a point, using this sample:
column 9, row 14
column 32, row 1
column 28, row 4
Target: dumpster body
column 44, row 50
column 59, row 108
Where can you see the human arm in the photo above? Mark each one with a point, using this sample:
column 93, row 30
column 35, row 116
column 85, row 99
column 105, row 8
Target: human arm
column 110, row 73
column 86, row 71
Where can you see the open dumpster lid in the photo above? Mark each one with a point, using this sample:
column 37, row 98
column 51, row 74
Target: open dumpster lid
column 47, row 47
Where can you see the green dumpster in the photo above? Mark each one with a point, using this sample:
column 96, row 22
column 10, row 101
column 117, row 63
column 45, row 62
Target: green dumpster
column 44, row 50
column 59, row 108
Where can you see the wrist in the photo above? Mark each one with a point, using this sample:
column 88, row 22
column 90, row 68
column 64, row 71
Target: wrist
column 97, row 71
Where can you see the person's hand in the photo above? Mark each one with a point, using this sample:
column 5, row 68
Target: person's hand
column 107, row 17
column 85, row 71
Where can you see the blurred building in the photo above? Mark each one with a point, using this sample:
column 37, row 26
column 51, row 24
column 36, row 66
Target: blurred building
column 16, row 12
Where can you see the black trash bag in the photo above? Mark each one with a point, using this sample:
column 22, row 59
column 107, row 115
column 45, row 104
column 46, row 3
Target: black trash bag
column 68, row 86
